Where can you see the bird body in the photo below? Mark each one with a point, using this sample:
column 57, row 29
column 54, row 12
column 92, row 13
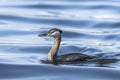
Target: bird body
column 52, row 55
column 73, row 57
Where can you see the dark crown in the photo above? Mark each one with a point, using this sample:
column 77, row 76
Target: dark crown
column 55, row 29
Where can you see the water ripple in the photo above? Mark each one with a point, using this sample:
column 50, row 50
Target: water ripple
column 90, row 27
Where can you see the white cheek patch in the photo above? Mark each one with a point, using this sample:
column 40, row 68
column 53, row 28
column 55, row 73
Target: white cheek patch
column 56, row 34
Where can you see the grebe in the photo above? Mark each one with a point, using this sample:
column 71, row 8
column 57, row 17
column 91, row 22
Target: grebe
column 52, row 56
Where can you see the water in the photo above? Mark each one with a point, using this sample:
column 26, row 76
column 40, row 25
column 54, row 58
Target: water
column 89, row 26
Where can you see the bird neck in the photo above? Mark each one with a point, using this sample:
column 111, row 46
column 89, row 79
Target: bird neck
column 54, row 50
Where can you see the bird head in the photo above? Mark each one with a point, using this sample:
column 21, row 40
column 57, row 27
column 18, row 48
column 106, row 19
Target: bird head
column 52, row 33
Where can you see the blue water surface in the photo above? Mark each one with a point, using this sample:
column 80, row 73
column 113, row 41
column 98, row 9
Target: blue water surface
column 91, row 27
